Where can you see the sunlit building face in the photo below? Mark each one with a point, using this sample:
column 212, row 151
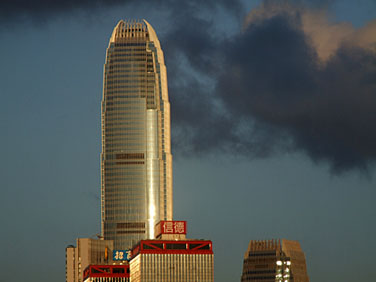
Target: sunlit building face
column 172, row 261
column 274, row 261
column 136, row 161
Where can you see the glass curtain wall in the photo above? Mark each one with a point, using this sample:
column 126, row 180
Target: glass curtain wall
column 136, row 161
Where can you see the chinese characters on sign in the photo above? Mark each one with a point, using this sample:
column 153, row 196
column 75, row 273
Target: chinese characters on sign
column 173, row 227
column 121, row 255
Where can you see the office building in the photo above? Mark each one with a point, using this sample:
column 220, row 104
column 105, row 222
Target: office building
column 172, row 257
column 293, row 250
column 274, row 260
column 136, row 160
column 87, row 251
column 107, row 273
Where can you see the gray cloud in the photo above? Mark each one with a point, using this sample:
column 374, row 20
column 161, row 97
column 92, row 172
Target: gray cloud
column 290, row 80
column 43, row 10
column 280, row 85
column 11, row 11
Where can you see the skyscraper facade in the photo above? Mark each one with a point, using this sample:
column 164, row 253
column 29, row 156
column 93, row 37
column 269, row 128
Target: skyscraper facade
column 274, row 260
column 172, row 261
column 136, row 160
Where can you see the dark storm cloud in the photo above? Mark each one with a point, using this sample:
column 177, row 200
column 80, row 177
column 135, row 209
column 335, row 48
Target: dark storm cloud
column 41, row 10
column 289, row 81
column 273, row 90
column 12, row 10
column 328, row 111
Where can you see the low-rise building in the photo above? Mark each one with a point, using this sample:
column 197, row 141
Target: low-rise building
column 172, row 257
column 87, row 251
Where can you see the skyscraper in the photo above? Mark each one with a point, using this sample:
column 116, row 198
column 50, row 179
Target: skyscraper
column 136, row 160
column 274, row 260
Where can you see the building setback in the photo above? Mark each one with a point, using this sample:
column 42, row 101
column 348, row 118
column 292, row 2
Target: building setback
column 136, row 160
column 274, row 260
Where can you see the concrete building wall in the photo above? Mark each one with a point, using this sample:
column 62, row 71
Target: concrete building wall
column 172, row 261
column 293, row 250
column 172, row 268
column 70, row 259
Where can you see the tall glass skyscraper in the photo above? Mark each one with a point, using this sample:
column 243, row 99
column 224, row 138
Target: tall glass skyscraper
column 136, row 160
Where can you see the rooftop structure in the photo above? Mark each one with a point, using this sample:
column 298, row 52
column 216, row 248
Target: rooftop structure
column 107, row 273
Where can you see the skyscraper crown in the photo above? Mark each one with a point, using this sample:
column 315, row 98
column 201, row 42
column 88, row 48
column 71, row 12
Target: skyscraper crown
column 129, row 29
column 135, row 30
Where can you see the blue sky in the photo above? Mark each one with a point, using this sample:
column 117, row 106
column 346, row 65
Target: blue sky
column 51, row 87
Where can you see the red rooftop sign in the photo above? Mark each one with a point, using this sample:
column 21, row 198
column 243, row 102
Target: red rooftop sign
column 171, row 227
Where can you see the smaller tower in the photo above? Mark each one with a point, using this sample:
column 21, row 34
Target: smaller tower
column 274, row 260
